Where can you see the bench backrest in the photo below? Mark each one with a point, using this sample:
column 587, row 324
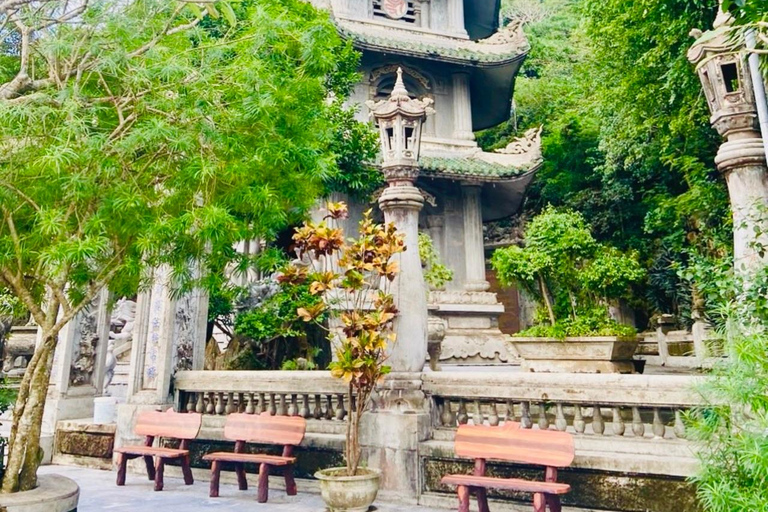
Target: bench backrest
column 168, row 424
column 511, row 443
column 263, row 428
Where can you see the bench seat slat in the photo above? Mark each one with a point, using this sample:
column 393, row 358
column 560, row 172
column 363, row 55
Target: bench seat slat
column 167, row 453
column 274, row 460
column 514, row 484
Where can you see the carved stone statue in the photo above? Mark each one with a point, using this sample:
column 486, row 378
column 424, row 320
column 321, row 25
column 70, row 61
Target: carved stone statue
column 528, row 143
column 121, row 325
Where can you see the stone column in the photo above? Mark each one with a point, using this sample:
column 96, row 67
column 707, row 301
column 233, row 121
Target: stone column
column 456, row 17
column 462, row 107
column 742, row 162
column 77, row 373
column 473, row 239
column 169, row 337
column 401, row 204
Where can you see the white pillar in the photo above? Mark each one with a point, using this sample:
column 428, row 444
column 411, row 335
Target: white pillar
column 401, row 204
column 474, row 252
column 456, row 17
column 462, row 107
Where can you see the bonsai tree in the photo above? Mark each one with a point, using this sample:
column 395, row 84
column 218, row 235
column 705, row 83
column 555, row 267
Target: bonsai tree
column 135, row 133
column 353, row 277
column 573, row 275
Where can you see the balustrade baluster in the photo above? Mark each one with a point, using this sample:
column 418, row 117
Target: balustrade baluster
column 293, row 408
column 462, row 417
column 679, row 428
column 560, row 422
column 262, row 403
column 525, row 415
column 304, row 413
column 329, row 413
column 240, row 403
column 200, row 405
column 318, row 411
column 477, row 417
column 210, row 407
column 220, row 403
column 578, row 420
column 638, row 427
column 341, row 412
column 250, row 409
column 659, row 429
column 447, row 418
column 272, row 405
column 509, row 415
column 281, row 409
column 493, row 417
column 543, row 420
column 617, row 424
column 598, row 427
column 230, row 408
column 190, row 405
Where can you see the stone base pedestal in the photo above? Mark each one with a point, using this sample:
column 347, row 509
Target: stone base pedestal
column 472, row 334
column 54, row 493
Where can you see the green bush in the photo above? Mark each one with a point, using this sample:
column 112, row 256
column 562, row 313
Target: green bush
column 574, row 277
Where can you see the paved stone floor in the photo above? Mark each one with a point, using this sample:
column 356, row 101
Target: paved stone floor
column 98, row 492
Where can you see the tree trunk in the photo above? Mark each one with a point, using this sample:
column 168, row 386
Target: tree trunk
column 545, row 294
column 24, row 455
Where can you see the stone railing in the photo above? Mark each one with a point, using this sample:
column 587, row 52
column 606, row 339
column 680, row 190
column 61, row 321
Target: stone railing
column 640, row 406
column 309, row 394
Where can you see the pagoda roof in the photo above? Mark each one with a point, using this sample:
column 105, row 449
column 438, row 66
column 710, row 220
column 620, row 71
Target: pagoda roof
column 501, row 48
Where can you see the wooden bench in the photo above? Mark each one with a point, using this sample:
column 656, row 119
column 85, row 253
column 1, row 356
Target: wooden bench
column 155, row 424
column 287, row 431
column 546, row 448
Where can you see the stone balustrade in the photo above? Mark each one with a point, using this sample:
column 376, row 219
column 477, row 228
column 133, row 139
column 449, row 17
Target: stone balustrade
column 640, row 406
column 309, row 394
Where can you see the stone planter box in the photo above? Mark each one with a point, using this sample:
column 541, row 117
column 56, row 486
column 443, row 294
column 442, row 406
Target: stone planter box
column 599, row 354
column 54, row 493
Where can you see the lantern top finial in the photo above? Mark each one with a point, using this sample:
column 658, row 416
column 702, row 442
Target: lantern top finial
column 399, row 92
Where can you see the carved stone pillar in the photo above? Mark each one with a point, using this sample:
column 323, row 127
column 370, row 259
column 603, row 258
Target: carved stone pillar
column 462, row 107
column 77, row 372
column 169, row 336
column 473, row 239
column 401, row 204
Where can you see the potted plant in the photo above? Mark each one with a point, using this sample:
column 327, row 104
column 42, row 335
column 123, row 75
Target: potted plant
column 353, row 277
column 575, row 279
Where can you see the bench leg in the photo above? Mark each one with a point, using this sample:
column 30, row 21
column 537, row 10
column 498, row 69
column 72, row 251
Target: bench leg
column 242, row 483
column 539, row 503
column 215, row 474
column 554, row 503
column 186, row 470
column 159, row 467
column 263, row 492
column 121, row 467
column 150, row 466
column 482, row 499
column 290, row 482
column 463, row 492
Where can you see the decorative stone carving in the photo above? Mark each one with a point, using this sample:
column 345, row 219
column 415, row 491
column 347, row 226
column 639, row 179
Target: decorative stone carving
column 18, row 349
column 84, row 357
column 462, row 297
column 401, row 392
column 435, row 336
column 184, row 333
column 512, row 34
column 530, row 143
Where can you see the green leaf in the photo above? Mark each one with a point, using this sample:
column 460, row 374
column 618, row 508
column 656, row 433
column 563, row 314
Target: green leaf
column 228, row 12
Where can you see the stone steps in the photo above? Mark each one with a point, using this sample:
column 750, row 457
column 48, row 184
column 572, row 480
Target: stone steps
column 118, row 388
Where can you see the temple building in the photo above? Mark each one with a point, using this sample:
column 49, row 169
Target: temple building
column 452, row 52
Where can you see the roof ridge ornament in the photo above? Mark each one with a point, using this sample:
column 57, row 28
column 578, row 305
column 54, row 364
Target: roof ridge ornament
column 399, row 92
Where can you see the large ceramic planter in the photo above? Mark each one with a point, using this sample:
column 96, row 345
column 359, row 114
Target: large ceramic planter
column 348, row 493
column 54, row 493
column 599, row 354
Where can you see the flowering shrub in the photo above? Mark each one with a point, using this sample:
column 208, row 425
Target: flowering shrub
column 353, row 277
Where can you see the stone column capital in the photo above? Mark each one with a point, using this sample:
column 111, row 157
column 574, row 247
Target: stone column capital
column 402, row 197
column 739, row 153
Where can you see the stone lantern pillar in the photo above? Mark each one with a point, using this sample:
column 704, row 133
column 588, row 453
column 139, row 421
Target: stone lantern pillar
column 390, row 436
column 400, row 120
column 723, row 70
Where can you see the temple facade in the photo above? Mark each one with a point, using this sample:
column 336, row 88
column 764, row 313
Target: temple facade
column 452, row 52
